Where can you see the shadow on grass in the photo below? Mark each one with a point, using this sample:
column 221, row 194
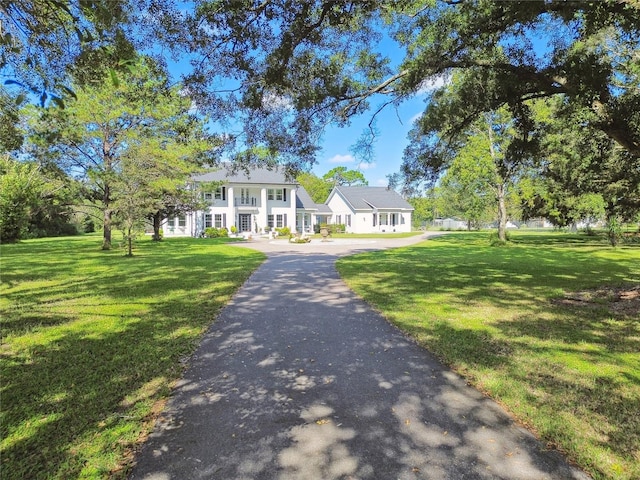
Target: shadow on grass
column 570, row 361
column 474, row 271
column 104, row 337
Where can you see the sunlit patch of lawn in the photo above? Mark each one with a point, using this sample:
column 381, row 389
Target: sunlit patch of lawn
column 568, row 370
column 92, row 341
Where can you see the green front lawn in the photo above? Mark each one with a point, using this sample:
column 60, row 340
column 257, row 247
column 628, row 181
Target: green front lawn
column 531, row 325
column 92, row 341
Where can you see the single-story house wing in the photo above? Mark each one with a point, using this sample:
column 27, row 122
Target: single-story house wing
column 370, row 209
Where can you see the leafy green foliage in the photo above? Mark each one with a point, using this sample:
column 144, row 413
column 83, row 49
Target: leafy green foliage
column 423, row 212
column 134, row 145
column 41, row 42
column 213, row 232
column 585, row 173
column 33, row 201
column 299, row 65
column 21, row 186
column 11, row 137
column 317, row 188
column 477, row 165
column 341, row 176
column 283, row 231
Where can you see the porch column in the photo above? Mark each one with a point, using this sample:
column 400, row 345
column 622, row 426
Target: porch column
column 264, row 209
column 292, row 209
column 231, row 211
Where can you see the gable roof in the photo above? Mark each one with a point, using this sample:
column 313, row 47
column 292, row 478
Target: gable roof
column 368, row 198
column 255, row 176
column 304, row 201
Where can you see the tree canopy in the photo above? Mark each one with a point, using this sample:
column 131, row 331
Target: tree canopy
column 342, row 176
column 134, row 139
column 286, row 68
column 298, row 65
column 272, row 74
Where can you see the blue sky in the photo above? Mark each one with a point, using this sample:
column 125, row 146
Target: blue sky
column 392, row 126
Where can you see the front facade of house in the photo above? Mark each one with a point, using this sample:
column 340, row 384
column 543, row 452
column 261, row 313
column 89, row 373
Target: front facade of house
column 253, row 203
column 261, row 200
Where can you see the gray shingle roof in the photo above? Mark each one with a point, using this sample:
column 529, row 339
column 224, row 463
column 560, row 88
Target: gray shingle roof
column 367, row 198
column 256, row 175
column 304, row 200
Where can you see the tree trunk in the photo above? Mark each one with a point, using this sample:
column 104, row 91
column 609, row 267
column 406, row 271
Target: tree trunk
column 501, row 189
column 129, row 242
column 157, row 219
column 106, row 231
column 502, row 213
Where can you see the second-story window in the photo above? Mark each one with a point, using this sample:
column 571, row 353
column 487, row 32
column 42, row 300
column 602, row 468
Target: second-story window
column 275, row 194
column 244, row 196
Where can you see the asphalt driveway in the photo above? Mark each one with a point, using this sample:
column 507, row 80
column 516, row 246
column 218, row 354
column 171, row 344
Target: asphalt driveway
column 300, row 379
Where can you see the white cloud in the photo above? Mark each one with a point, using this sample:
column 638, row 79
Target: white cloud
column 366, row 165
column 342, row 159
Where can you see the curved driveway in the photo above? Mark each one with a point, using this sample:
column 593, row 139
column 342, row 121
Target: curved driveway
column 300, row 379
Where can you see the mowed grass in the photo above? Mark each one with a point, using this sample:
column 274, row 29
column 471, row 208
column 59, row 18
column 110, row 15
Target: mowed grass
column 92, row 341
column 568, row 369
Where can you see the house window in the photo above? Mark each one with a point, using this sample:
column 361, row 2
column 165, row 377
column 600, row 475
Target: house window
column 347, row 220
column 219, row 195
column 384, row 219
column 270, row 223
column 182, row 221
column 279, row 221
column 208, row 197
column 275, row 194
column 218, row 218
column 338, row 219
column 244, row 196
column 207, row 220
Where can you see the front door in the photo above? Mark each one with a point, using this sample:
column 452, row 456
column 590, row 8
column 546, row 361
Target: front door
column 245, row 222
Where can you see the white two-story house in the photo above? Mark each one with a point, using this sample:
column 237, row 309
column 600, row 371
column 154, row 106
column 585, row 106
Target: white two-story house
column 254, row 203
column 258, row 201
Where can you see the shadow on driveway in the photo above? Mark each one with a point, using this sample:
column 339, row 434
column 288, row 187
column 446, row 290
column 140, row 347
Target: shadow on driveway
column 300, row 379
